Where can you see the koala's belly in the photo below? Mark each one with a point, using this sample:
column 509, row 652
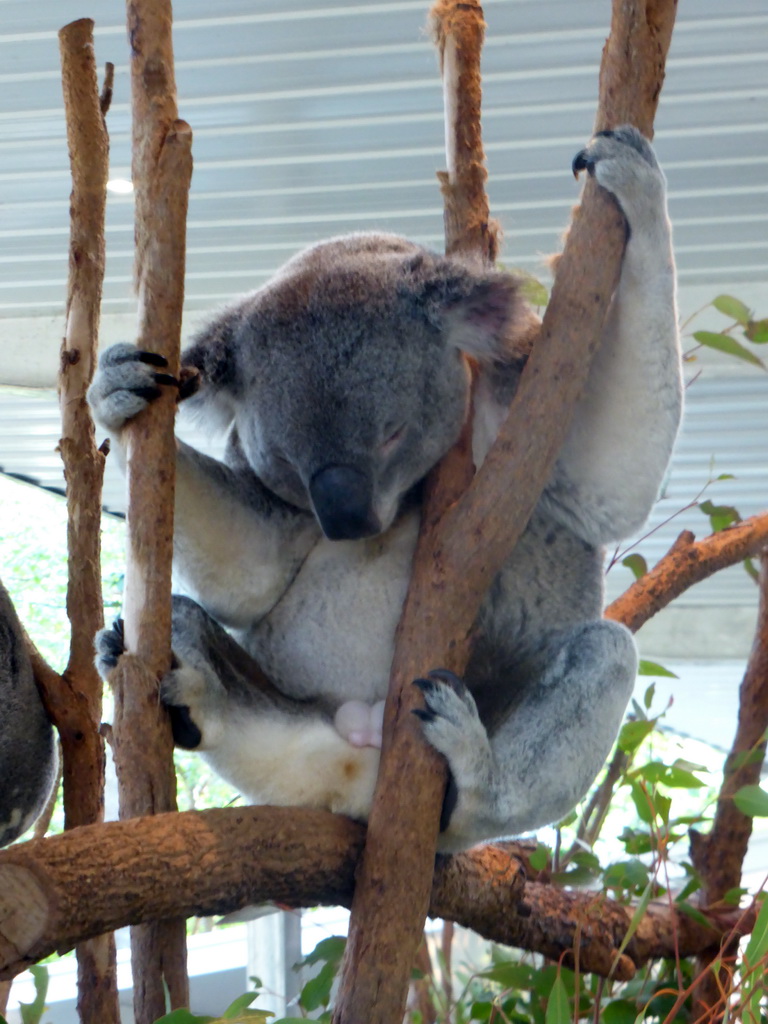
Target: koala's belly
column 332, row 632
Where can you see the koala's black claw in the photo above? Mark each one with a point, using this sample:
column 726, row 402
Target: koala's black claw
column 424, row 715
column 118, row 627
column 606, row 133
column 581, row 162
column 149, row 393
column 166, row 378
column 185, row 733
column 444, row 675
column 153, row 358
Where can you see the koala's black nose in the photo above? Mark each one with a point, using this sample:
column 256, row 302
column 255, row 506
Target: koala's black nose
column 342, row 497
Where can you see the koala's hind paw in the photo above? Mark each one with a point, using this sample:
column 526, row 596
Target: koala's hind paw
column 185, row 693
column 446, row 696
column 109, row 644
column 126, row 382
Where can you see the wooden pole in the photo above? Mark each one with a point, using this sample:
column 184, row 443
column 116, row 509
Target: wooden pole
column 78, row 707
column 143, row 746
column 448, row 584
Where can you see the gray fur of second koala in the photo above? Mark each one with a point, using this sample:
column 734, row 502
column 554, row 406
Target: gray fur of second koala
column 352, row 357
column 27, row 746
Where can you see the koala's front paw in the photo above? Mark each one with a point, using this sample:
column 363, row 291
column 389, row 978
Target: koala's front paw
column 126, row 381
column 109, row 644
column 623, row 162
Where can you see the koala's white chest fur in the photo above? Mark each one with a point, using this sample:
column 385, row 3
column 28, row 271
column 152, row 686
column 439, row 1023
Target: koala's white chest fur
column 331, row 634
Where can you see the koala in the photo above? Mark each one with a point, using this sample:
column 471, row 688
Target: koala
column 341, row 383
column 28, row 759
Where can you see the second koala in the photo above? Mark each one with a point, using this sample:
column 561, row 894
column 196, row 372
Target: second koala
column 342, row 382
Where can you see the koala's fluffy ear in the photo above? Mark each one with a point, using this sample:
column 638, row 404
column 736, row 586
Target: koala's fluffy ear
column 481, row 313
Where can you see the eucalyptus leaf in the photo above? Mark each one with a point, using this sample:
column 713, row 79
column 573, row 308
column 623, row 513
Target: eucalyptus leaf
column 558, row 1005
column 724, row 343
column 620, row 1011
column 734, row 308
column 757, row 947
column 694, row 914
column 636, row 564
column 752, row 800
column 652, row 668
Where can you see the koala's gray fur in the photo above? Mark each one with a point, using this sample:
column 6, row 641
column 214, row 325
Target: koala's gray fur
column 27, row 748
column 343, row 382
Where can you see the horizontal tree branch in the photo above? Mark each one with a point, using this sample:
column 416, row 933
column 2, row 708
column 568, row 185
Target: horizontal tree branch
column 688, row 561
column 60, row 890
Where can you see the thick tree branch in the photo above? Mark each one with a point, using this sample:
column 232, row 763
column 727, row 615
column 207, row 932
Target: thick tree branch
column 143, row 747
column 57, row 891
column 460, row 554
column 81, row 687
column 397, row 865
column 688, row 561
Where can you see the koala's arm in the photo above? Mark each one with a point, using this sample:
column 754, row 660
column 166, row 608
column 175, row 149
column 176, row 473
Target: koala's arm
column 613, row 463
column 236, row 545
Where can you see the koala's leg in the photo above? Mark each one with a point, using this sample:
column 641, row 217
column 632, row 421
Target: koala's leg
column 543, row 757
column 273, row 749
column 612, row 465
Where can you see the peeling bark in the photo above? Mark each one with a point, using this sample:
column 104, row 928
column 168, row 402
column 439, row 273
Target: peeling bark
column 78, row 707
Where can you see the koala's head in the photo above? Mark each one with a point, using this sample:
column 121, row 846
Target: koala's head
column 345, row 376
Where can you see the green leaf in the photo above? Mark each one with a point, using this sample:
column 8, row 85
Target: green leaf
column 317, row 991
column 184, row 1016
column 757, row 331
column 648, row 696
column 753, row 988
column 237, row 1010
column 509, row 975
column 694, row 914
column 558, row 1006
column 632, row 735
column 652, row 668
column 640, row 909
column 481, row 1010
column 620, row 1011
column 540, row 857
column 720, row 516
column 757, row 947
column 331, row 950
column 728, row 345
column 752, row 800
column 31, row 1013
column 734, row 308
column 733, row 896
column 637, row 564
